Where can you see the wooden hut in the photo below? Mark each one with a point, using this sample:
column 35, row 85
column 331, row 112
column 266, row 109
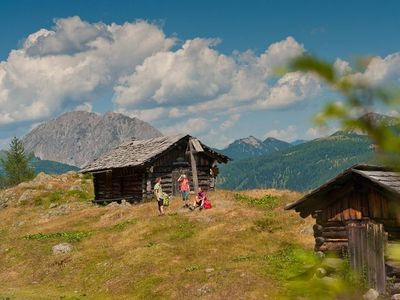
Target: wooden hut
column 356, row 214
column 129, row 170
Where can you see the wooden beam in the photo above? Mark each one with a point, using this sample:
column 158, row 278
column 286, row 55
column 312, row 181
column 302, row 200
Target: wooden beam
column 194, row 167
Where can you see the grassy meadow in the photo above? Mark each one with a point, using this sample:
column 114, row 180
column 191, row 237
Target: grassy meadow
column 245, row 247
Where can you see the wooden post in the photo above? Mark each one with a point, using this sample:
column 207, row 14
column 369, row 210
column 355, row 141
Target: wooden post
column 194, row 167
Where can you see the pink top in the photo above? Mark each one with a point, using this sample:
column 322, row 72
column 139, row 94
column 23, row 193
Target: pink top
column 184, row 184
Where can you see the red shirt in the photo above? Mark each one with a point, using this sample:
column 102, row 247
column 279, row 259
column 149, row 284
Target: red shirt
column 184, row 184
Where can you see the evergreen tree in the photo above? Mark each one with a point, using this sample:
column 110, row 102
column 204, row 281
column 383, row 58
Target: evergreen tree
column 16, row 164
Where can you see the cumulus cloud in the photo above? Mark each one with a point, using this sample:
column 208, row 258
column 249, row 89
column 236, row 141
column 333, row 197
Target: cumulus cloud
column 199, row 78
column 381, row 70
column 84, row 107
column 341, row 66
column 287, row 134
column 192, row 125
column 70, row 64
column 320, row 131
column 290, row 89
column 146, row 74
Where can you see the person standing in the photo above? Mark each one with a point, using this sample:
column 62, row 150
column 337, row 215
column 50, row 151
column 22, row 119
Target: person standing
column 184, row 187
column 158, row 193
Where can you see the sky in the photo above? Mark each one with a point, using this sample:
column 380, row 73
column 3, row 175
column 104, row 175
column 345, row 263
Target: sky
column 207, row 68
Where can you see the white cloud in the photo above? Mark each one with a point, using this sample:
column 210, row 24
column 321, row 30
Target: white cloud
column 192, row 85
column 84, row 107
column 193, row 126
column 69, row 64
column 381, row 70
column 229, row 123
column 320, row 131
column 342, row 66
column 147, row 115
column 292, row 88
column 199, row 78
column 287, row 134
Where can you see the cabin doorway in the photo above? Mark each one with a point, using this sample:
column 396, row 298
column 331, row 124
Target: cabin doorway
column 175, row 183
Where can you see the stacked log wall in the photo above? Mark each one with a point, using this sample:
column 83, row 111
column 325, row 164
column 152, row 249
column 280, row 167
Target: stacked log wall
column 124, row 183
column 138, row 183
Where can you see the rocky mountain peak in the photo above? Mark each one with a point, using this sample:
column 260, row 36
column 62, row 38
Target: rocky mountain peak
column 78, row 137
column 251, row 140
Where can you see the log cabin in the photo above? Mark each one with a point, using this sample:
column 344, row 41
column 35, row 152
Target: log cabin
column 357, row 214
column 129, row 170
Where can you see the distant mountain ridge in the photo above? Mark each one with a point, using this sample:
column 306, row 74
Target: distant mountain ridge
column 302, row 167
column 251, row 146
column 78, row 137
column 46, row 166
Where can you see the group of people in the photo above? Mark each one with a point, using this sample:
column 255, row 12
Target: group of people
column 200, row 200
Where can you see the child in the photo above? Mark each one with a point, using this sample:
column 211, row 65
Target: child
column 185, row 189
column 158, row 193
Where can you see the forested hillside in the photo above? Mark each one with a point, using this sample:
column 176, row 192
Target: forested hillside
column 46, row 166
column 300, row 167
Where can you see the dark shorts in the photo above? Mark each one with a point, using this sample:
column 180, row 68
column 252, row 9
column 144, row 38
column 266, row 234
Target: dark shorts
column 160, row 202
column 185, row 195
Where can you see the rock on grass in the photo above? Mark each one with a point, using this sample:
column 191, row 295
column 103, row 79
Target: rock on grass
column 62, row 248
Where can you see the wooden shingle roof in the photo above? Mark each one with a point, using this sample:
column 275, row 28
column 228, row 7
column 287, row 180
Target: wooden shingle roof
column 141, row 152
column 382, row 177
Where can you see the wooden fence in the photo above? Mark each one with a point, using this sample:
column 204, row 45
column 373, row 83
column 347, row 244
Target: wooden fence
column 366, row 252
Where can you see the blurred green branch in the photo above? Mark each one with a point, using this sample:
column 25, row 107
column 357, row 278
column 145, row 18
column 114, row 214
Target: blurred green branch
column 355, row 111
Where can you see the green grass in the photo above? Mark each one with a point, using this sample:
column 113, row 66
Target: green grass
column 182, row 230
column 131, row 253
column 61, row 196
column 269, row 223
column 267, row 201
column 123, row 225
column 67, row 236
column 192, row 268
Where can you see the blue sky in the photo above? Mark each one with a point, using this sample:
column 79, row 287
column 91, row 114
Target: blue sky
column 245, row 30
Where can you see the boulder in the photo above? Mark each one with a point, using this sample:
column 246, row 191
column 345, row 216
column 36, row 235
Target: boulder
column 371, row 295
column 42, row 178
column 321, row 272
column 395, row 297
column 62, row 248
column 26, row 196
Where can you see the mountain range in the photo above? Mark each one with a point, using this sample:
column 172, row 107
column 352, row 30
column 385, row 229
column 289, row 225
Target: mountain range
column 46, row 166
column 251, row 147
column 76, row 138
column 301, row 167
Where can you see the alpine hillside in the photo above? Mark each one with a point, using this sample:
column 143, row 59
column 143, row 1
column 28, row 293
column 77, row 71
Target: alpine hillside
column 46, row 166
column 301, row 167
column 251, row 146
column 78, row 137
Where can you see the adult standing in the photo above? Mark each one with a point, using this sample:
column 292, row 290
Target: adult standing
column 158, row 193
column 184, row 187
